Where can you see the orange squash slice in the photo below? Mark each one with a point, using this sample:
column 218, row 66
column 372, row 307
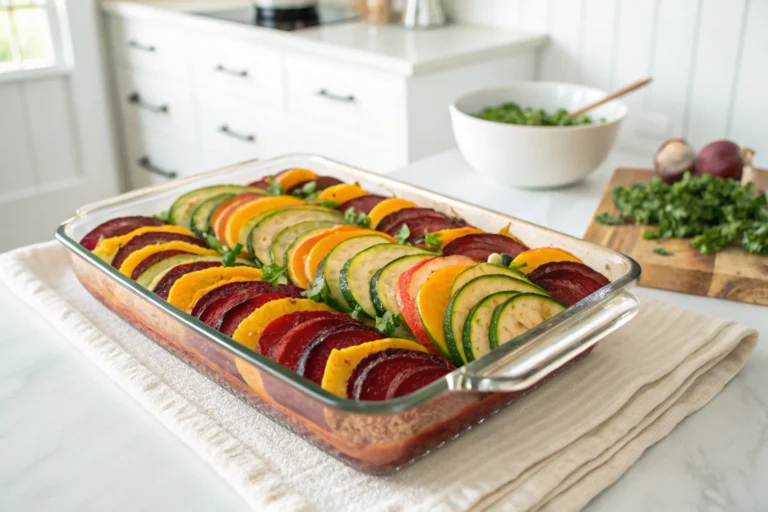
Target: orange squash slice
column 536, row 257
column 293, row 177
column 342, row 192
column 386, row 207
column 341, row 363
column 184, row 289
column 432, row 301
column 449, row 235
column 136, row 257
column 224, row 211
column 321, row 249
column 108, row 247
column 505, row 232
column 296, row 263
column 245, row 212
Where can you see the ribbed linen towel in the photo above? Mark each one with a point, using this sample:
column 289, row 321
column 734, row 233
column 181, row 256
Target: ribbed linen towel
column 554, row 449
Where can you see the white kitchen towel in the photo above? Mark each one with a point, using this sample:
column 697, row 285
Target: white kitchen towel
column 554, row 449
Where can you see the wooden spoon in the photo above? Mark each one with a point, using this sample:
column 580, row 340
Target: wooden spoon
column 616, row 94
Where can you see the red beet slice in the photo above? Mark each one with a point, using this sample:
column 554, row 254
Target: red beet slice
column 213, row 315
column 362, row 204
column 274, row 332
column 559, row 269
column 321, row 183
column 571, row 289
column 151, row 238
column 398, row 217
column 232, row 318
column 163, row 287
column 240, row 291
column 117, row 227
column 415, row 379
column 480, row 246
column 371, row 378
column 289, row 349
column 315, row 355
column 151, row 260
column 261, row 183
column 419, row 226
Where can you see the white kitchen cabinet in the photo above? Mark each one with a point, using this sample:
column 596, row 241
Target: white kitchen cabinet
column 374, row 98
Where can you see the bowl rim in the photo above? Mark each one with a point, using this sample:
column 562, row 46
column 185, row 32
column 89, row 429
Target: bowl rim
column 454, row 109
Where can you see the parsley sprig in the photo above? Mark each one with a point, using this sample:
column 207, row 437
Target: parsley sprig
column 713, row 212
column 356, row 219
column 403, row 234
column 319, row 291
column 274, row 274
column 274, row 188
column 388, row 323
column 228, row 256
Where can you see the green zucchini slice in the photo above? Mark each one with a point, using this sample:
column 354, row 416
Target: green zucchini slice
column 518, row 314
column 384, row 281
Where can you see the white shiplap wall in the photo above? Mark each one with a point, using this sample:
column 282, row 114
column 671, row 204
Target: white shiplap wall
column 708, row 58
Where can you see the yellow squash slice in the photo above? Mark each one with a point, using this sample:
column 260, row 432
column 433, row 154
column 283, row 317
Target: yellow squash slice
column 108, row 247
column 342, row 192
column 326, row 244
column 447, row 236
column 342, row 362
column 136, row 257
column 386, row 207
column 249, row 331
column 295, row 176
column 505, row 232
column 248, row 210
column 184, row 289
column 432, row 300
column 534, row 258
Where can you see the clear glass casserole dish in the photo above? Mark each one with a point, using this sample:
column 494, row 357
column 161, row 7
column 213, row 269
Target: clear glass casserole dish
column 375, row 437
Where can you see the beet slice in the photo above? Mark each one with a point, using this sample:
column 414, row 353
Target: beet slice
column 288, row 351
column 117, row 227
column 560, row 269
column 152, row 259
column 163, row 287
column 480, row 246
column 321, row 183
column 315, row 355
column 415, row 379
column 232, row 318
column 213, row 315
column 400, row 216
column 277, row 328
column 151, row 238
column 362, row 204
column 242, row 290
column 419, row 226
column 261, row 183
column 371, row 377
column 570, row 289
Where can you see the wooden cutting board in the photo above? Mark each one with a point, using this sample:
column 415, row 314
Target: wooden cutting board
column 731, row 274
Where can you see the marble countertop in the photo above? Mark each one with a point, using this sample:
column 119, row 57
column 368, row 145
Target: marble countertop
column 71, row 440
column 389, row 48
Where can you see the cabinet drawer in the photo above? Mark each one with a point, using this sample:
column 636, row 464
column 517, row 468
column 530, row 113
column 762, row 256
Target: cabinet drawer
column 154, row 158
column 361, row 100
column 157, row 103
column 251, row 72
column 147, row 45
column 241, row 131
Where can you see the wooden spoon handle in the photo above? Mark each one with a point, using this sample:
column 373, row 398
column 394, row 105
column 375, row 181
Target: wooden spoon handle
column 616, row 94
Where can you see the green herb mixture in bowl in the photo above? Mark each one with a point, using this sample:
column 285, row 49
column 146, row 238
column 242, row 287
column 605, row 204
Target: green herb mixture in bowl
column 512, row 113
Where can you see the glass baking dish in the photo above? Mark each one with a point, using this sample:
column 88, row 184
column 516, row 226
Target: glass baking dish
column 375, row 437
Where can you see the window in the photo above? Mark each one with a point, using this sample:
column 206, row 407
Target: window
column 28, row 30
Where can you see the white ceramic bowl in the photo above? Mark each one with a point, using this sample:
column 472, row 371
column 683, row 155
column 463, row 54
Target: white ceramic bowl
column 535, row 156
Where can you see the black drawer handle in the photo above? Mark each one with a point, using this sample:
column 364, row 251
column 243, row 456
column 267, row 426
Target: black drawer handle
column 247, row 137
column 242, row 73
column 325, row 93
column 135, row 98
column 132, row 43
column 146, row 164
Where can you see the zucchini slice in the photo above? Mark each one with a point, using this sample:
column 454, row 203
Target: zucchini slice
column 357, row 273
column 330, row 269
column 478, row 325
column 518, row 314
column 201, row 217
column 269, row 224
column 149, row 278
column 283, row 240
column 484, row 269
column 384, row 281
column 182, row 209
column 464, row 300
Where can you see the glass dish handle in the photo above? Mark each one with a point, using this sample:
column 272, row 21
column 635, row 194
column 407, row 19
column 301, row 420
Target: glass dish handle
column 522, row 366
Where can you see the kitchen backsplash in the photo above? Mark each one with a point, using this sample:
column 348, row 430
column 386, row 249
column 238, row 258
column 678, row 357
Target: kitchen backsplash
column 707, row 58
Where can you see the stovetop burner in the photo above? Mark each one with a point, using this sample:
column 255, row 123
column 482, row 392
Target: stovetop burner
column 284, row 19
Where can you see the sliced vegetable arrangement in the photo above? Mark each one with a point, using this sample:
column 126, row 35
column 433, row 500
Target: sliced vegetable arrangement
column 370, row 297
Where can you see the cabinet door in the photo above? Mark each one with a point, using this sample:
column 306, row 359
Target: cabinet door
column 153, row 158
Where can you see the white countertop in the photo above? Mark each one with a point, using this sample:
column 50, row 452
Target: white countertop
column 389, row 48
column 71, row 440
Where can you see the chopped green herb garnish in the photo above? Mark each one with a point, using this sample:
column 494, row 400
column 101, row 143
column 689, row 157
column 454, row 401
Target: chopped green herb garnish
column 518, row 266
column 356, row 219
column 213, row 242
column 512, row 113
column 713, row 212
column 274, row 187
column 662, row 251
column 356, row 312
column 403, row 234
column 319, row 291
column 610, row 220
column 388, row 323
column 325, row 203
column 432, row 241
column 229, row 258
column 164, row 216
column 307, row 190
column 274, row 274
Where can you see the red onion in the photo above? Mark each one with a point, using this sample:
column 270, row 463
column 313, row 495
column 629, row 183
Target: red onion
column 721, row 158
